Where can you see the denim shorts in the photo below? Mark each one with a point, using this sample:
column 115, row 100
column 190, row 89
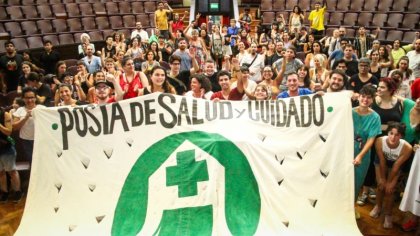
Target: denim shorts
column 8, row 159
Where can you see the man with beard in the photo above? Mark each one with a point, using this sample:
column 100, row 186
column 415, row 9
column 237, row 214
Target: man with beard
column 92, row 62
column 103, row 90
column 140, row 32
column 254, row 62
column 10, row 66
column 414, row 57
column 337, row 81
column 180, row 79
column 350, row 59
column 277, row 54
column 184, row 54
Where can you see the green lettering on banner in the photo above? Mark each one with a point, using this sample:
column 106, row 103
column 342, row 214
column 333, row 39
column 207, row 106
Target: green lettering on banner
column 242, row 197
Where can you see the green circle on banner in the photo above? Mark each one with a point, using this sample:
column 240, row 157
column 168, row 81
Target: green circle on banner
column 330, row 109
column 242, row 196
column 54, row 126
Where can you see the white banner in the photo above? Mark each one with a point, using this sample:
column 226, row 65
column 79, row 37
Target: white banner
column 170, row 165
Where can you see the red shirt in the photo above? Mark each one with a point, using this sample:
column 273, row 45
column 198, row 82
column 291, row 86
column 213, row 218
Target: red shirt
column 129, row 86
column 415, row 89
column 177, row 25
column 234, row 95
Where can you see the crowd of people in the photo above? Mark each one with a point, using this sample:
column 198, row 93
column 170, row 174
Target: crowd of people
column 235, row 62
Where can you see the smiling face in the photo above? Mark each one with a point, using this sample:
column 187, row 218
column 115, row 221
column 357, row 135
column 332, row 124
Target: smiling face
column 365, row 100
column 195, row 85
column 260, row 93
column 158, row 77
column 102, row 91
column 224, row 82
column 65, row 93
column 336, row 82
column 26, row 69
column 292, row 83
column 403, row 65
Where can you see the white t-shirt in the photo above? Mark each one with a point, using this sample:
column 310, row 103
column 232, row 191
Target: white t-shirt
column 250, row 88
column 207, row 95
column 143, row 35
column 414, row 58
column 256, row 66
column 27, row 130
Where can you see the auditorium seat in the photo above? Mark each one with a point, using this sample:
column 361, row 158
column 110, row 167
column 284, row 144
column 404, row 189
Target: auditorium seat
column 379, row 20
column 409, row 36
column 81, row 1
column 45, row 27
column 75, row 25
column 107, row 32
column 268, row 17
column 60, row 25
column 41, row 2
column 305, row 5
column 343, row 5
column 28, row 2
column 53, row 38
column 73, row 10
column 116, row 22
column 96, row 36
column 152, row 20
column 137, row 7
column 111, row 8
column 129, row 21
column 99, row 7
column 329, row 31
column 414, row 6
column 394, row 19
column 13, row 28
column 72, row 70
column 336, row 19
column 3, row 14
column 35, row 42
column 67, row 1
column 126, row 32
column 76, row 37
column 289, row 5
column 144, row 19
column 86, row 9
column 149, row 7
column 350, row 33
column 331, row 5
column 30, row 28
column 30, row 12
column 410, row 21
column 370, row 5
column 102, row 23
column 125, row 8
column 51, row 2
column 66, row 39
column 13, row 2
column 364, row 19
column 350, row 19
column 45, row 11
column 381, row 35
column 20, row 43
column 266, row 5
column 88, row 23
column 58, row 9
column 385, row 6
column 399, row 5
column 15, row 13
column 394, row 35
column 71, row 62
column 356, row 5
column 278, row 5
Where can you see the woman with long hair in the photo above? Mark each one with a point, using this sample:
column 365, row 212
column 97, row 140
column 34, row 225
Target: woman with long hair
column 150, row 62
column 385, row 61
column 198, row 44
column 406, row 79
column 375, row 68
column 119, row 42
column 315, row 50
column 154, row 47
column 135, row 51
column 296, row 19
column 65, row 92
column 307, row 47
column 269, row 83
column 200, row 87
column 268, row 59
column 84, row 77
column 319, row 73
column 131, row 81
column 159, row 82
column 26, row 69
column 304, row 79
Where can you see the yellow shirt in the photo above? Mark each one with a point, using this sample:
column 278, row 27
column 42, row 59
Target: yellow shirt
column 162, row 19
column 317, row 19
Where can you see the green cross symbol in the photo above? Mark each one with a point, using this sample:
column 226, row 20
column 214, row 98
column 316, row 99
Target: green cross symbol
column 187, row 173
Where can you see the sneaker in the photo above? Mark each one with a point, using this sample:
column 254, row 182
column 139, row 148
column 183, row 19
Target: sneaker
column 17, row 196
column 375, row 212
column 3, row 197
column 361, row 200
column 410, row 225
column 372, row 193
column 388, row 222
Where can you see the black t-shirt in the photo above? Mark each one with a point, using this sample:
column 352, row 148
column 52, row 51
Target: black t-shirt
column 45, row 91
column 352, row 67
column 49, row 61
column 356, row 85
column 215, row 87
column 12, row 70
